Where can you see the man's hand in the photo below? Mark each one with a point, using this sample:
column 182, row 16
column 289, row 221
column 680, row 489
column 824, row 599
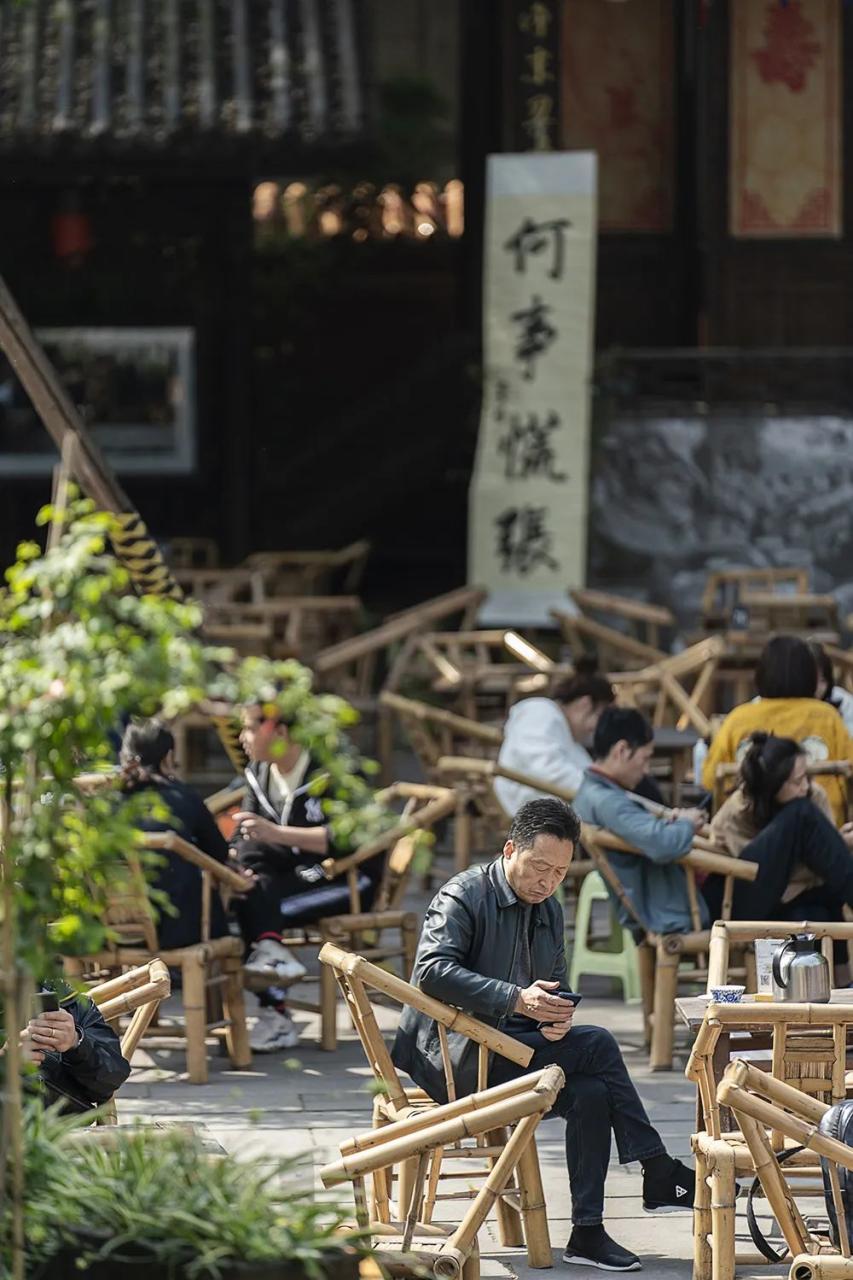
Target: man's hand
column 51, row 1032
column 556, row 1030
column 697, row 816
column 252, row 827
column 537, row 1002
column 248, row 875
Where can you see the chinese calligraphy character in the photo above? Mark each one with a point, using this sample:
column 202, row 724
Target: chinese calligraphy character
column 537, row 333
column 537, row 20
column 540, row 120
column 532, row 237
column 523, row 540
column 539, row 62
column 528, row 448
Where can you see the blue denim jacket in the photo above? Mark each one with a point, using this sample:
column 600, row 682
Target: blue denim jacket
column 657, row 887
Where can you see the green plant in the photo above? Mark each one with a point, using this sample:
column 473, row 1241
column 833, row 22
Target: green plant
column 78, row 649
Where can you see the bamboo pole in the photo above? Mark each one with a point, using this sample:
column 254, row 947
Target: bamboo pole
column 13, row 1099
column 806, row 1267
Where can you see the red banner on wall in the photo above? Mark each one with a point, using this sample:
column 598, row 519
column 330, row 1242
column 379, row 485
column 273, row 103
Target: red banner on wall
column 785, row 118
column 618, row 100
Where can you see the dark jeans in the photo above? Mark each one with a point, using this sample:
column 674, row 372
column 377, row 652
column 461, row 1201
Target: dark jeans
column 598, row 1098
column 799, row 833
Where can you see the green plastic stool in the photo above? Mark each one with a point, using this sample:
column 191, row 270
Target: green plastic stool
column 617, row 959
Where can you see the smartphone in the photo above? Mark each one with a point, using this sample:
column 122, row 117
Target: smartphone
column 46, row 1002
column 564, row 995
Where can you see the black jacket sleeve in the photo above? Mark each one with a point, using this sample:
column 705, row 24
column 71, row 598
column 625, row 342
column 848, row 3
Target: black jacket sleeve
column 442, row 964
column 96, row 1068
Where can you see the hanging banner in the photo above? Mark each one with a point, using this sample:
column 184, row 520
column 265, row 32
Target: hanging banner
column 533, row 77
column 785, row 117
column 528, row 501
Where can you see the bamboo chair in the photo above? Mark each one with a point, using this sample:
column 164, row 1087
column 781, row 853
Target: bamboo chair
column 667, row 960
column 313, row 572
column 724, row 588
column 136, row 993
column 726, row 777
column 616, row 650
column 433, row 732
column 297, row 626
column 660, row 688
column 771, row 1113
column 808, row 1057
column 387, row 931
column 211, row 966
column 644, row 620
column 193, row 553
column 350, row 667
column 414, row 1138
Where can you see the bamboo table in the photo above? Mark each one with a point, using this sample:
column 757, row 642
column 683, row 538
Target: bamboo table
column 750, row 1035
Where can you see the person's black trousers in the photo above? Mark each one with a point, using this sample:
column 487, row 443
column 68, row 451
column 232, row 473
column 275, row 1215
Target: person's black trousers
column 283, row 900
column 597, row 1100
column 799, row 833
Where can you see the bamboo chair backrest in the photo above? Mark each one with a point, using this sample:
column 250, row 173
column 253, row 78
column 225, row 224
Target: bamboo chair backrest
column 726, row 934
column 644, row 619
column 809, row 1049
column 395, row 877
column 723, row 587
column 137, row 992
column 616, row 651
column 193, row 553
column 434, row 732
column 355, row 975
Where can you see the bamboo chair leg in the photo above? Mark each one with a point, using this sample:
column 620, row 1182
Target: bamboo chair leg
column 510, row 1233
column 462, row 828
column 380, row 1209
column 409, row 933
column 723, row 1191
column 234, row 1008
column 432, row 1185
column 407, row 1172
column 471, row 1269
column 646, row 967
column 328, row 1009
column 195, row 1015
column 666, row 983
column 534, row 1213
column 702, row 1254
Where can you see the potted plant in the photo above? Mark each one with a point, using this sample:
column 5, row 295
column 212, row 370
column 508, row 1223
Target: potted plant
column 77, row 650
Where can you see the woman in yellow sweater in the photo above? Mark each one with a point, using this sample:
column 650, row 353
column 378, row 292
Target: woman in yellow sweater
column 786, row 679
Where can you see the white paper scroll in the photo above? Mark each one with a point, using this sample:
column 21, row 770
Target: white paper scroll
column 528, row 500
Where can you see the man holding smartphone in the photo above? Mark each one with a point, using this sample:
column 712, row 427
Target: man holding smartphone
column 492, row 945
column 79, row 1058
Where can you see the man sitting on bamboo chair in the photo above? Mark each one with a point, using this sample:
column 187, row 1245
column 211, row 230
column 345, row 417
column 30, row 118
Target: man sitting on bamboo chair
column 281, row 838
column 492, row 944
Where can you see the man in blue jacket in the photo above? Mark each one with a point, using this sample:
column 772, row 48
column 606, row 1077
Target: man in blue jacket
column 492, row 945
column 621, row 750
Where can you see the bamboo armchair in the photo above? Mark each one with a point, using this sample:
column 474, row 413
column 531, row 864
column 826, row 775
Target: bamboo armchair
column 313, row 572
column 210, row 966
column 136, row 993
column 726, row 776
column 724, row 588
column 666, row 960
column 660, row 687
column 350, row 667
column 616, row 651
column 193, row 553
column 413, row 1139
column 645, row 620
column 433, row 732
column 767, row 1108
column 388, row 931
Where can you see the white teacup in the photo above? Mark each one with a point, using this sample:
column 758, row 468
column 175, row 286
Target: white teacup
column 727, row 995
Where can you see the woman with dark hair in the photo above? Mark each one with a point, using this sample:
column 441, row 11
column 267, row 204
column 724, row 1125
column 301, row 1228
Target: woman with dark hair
column 786, row 680
column 547, row 737
column 147, row 764
column 827, row 689
column 777, row 818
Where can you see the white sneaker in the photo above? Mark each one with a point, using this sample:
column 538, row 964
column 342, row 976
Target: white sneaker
column 270, row 962
column 272, row 1031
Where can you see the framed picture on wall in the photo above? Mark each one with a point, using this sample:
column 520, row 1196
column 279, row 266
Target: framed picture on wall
column 134, row 388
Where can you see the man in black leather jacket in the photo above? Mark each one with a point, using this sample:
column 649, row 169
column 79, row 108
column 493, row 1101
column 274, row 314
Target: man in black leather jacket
column 78, row 1056
column 492, row 945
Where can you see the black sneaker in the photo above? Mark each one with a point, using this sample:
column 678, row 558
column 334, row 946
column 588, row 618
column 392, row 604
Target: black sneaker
column 670, row 1190
column 592, row 1247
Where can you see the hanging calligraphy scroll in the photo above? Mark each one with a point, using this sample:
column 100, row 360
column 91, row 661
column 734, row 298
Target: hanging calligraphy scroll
column 617, row 100
column 534, row 53
column 528, row 502
column 785, row 118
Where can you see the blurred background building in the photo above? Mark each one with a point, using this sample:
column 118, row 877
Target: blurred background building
column 250, row 234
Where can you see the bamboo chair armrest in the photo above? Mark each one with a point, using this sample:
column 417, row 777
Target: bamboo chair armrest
column 404, row 993
column 437, row 715
column 490, row 769
column 171, row 842
column 623, row 606
column 366, row 920
column 433, row 812
column 700, row 858
column 223, row 799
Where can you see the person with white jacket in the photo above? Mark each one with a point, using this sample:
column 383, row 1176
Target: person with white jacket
column 546, row 737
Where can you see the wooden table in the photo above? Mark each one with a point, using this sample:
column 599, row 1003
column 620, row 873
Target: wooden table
column 750, row 1036
column 678, row 744
column 796, row 611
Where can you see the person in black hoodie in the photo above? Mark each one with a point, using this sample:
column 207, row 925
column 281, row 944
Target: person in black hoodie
column 281, row 837
column 147, row 764
column 79, row 1058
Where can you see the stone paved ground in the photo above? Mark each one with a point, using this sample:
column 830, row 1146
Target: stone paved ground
column 307, row 1101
